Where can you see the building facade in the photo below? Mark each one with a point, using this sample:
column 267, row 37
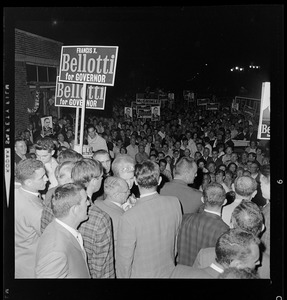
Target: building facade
column 37, row 61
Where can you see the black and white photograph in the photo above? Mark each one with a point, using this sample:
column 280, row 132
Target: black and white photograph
column 182, row 111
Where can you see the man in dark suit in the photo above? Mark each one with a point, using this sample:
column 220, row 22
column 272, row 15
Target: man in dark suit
column 20, row 150
column 252, row 134
column 217, row 160
column 227, row 140
column 205, row 156
column 184, row 174
column 60, row 252
column 201, row 230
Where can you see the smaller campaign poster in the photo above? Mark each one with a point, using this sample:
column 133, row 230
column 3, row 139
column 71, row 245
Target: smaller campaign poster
column 47, row 126
column 128, row 113
column 188, row 95
column 155, row 113
column 264, row 119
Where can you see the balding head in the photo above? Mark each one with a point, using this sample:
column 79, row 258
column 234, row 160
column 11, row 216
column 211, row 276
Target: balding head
column 245, row 187
column 248, row 216
column 185, row 169
column 116, row 189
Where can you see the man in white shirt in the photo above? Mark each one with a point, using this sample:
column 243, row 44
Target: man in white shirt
column 191, row 143
column 132, row 148
column 44, row 152
column 161, row 132
column 95, row 141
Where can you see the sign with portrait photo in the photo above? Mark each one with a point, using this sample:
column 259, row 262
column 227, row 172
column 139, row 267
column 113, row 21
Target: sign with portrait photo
column 47, row 126
column 155, row 113
column 128, row 113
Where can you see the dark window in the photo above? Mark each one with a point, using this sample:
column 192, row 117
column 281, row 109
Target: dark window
column 42, row 73
column 52, row 74
column 31, row 72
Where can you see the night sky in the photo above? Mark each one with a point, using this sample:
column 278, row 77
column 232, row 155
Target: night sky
column 166, row 46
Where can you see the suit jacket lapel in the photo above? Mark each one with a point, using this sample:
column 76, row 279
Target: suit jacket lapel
column 71, row 237
column 30, row 197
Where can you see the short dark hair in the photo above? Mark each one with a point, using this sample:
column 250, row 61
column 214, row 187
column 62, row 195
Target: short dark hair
column 163, row 160
column 18, row 140
column 90, row 126
column 85, row 170
column 45, row 143
column 147, row 174
column 219, row 171
column 26, row 168
column 65, row 197
column 69, row 155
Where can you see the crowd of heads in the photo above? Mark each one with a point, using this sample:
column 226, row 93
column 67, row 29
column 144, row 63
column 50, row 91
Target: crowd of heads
column 184, row 146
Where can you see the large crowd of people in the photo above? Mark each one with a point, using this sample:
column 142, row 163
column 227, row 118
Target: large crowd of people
column 173, row 198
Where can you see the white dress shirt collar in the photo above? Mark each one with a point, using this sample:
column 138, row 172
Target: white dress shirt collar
column 35, row 194
column 73, row 231
column 212, row 212
column 117, row 204
column 216, row 268
column 148, row 194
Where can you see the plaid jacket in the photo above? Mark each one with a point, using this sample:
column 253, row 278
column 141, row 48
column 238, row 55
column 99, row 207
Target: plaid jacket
column 98, row 240
column 198, row 230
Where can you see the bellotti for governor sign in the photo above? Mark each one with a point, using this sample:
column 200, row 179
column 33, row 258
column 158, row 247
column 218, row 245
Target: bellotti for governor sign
column 264, row 119
column 71, row 95
column 89, row 64
column 85, row 67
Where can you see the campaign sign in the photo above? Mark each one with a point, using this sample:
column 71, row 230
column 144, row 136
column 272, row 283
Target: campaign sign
column 264, row 119
column 212, row 106
column 188, row 95
column 128, row 113
column 249, row 110
column 89, row 64
column 143, row 111
column 70, row 95
column 148, row 101
column 203, row 101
